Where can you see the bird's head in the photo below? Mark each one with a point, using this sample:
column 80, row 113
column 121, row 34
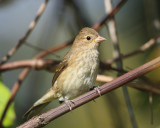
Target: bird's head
column 88, row 38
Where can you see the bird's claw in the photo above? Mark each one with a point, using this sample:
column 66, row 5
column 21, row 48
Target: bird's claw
column 69, row 103
column 98, row 90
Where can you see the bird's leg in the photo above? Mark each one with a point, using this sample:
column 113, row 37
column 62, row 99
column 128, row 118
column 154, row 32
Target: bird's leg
column 69, row 103
column 97, row 89
column 60, row 101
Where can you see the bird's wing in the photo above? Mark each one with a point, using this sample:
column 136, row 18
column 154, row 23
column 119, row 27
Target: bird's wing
column 63, row 64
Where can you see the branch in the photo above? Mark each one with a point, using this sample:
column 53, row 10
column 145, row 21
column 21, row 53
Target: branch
column 34, row 64
column 53, row 49
column 47, row 117
column 40, row 49
column 104, row 79
column 110, row 15
column 143, row 48
column 30, row 29
column 143, row 87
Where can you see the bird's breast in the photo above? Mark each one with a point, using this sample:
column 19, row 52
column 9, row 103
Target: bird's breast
column 80, row 75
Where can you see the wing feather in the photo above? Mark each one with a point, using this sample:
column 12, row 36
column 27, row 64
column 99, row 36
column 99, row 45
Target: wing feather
column 63, row 64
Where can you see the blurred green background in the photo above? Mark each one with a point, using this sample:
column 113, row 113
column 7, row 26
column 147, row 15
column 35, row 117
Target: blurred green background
column 137, row 21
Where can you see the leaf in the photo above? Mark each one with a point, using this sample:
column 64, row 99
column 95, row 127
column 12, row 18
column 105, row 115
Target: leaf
column 4, row 96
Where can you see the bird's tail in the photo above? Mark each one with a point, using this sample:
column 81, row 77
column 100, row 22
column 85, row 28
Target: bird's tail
column 40, row 104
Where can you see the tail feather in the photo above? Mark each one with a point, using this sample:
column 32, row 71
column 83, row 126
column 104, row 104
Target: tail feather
column 40, row 104
column 34, row 110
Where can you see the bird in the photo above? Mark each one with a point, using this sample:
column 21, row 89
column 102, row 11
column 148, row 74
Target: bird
column 75, row 74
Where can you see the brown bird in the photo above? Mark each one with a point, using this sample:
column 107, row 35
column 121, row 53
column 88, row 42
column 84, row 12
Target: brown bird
column 76, row 73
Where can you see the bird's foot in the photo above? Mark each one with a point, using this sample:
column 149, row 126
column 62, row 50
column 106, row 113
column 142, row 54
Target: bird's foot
column 69, row 103
column 97, row 88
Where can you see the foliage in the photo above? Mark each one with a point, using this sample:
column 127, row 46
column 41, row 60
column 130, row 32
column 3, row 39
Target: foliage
column 10, row 116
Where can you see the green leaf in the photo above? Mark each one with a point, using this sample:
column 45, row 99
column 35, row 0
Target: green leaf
column 4, row 96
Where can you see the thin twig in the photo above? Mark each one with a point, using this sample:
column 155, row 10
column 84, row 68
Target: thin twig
column 53, row 49
column 145, row 87
column 143, row 48
column 142, row 87
column 110, row 15
column 34, row 64
column 103, row 78
column 47, row 117
column 40, row 49
column 151, row 105
column 30, row 29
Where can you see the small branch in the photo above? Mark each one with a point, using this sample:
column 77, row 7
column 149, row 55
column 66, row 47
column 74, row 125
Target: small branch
column 143, row 48
column 104, row 79
column 53, row 49
column 30, row 29
column 151, row 106
column 47, row 117
column 110, row 15
column 143, row 87
column 34, row 64
column 40, row 49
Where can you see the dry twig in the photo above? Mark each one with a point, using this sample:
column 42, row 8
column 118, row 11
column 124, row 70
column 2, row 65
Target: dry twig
column 143, row 48
column 34, row 64
column 30, row 29
column 110, row 15
column 143, row 87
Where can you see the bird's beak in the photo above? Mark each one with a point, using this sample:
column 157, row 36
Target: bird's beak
column 99, row 39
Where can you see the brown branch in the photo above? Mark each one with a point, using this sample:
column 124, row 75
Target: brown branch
column 40, row 49
column 47, row 117
column 53, row 49
column 30, row 29
column 110, row 15
column 143, row 87
column 143, row 48
column 104, row 79
column 25, row 72
column 34, row 64
column 148, row 81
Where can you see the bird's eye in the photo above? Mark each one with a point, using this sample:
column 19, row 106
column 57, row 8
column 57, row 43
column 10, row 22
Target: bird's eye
column 88, row 38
